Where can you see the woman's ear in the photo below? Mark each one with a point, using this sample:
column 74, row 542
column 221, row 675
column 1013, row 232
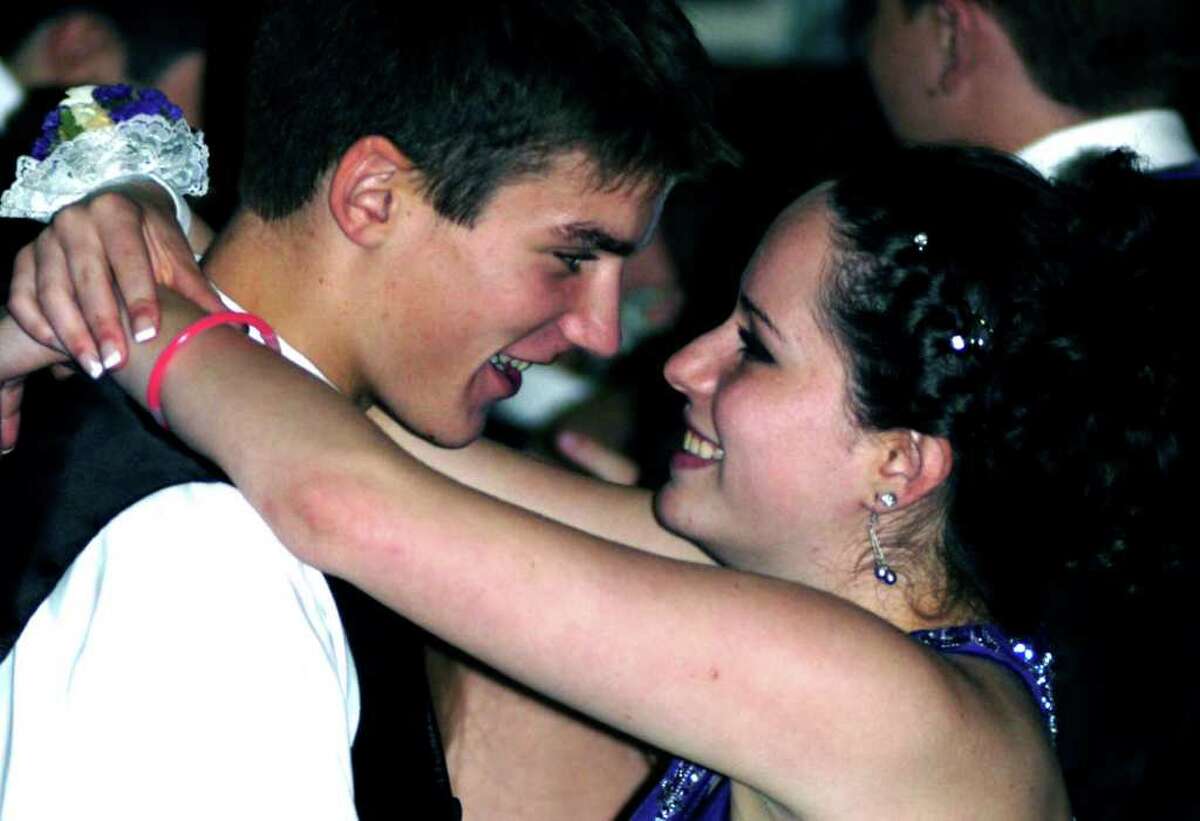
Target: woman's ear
column 912, row 465
column 366, row 188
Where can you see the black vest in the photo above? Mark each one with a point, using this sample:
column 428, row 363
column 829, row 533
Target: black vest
column 87, row 453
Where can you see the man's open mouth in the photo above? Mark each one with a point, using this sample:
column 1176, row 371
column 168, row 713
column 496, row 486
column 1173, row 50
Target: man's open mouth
column 510, row 368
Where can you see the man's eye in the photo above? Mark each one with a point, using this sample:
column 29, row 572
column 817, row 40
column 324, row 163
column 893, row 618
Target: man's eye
column 574, row 261
column 753, row 348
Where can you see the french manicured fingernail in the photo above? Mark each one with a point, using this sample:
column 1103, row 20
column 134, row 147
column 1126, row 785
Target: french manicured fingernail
column 143, row 331
column 112, row 356
column 7, row 451
column 92, row 367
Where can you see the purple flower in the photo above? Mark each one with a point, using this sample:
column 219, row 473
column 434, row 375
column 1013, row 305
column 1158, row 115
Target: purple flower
column 132, row 109
column 150, row 101
column 46, row 142
column 41, row 148
column 107, row 95
column 121, row 101
column 153, row 96
column 122, row 113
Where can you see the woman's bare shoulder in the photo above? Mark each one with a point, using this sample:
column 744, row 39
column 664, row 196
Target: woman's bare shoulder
column 951, row 732
column 994, row 742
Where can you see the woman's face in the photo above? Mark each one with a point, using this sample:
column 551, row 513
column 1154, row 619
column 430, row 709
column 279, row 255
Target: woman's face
column 773, row 475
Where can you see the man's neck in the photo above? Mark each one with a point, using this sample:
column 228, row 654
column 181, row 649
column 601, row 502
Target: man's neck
column 275, row 270
column 999, row 103
column 1012, row 118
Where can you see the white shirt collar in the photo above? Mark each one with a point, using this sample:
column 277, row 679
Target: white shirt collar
column 11, row 95
column 289, row 353
column 1158, row 135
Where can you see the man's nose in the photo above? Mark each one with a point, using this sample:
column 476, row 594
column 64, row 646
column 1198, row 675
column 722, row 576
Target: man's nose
column 594, row 320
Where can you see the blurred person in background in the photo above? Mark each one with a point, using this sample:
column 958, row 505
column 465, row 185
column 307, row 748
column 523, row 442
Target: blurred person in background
column 1044, row 79
column 57, row 44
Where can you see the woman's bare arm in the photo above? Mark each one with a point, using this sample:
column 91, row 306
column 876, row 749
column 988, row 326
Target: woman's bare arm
column 621, row 514
column 776, row 684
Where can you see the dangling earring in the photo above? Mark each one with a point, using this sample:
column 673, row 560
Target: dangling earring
column 883, row 573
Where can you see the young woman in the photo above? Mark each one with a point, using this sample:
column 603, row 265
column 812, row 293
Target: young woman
column 915, row 422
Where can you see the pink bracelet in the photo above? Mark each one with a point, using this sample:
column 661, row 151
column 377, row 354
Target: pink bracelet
column 154, row 389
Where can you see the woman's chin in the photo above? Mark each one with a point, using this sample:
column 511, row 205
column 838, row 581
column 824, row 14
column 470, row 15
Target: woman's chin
column 677, row 513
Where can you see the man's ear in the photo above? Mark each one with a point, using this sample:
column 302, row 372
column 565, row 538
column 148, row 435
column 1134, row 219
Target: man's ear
column 958, row 28
column 367, row 189
column 911, row 465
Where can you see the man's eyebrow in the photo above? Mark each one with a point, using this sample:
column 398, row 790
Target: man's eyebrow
column 749, row 307
column 593, row 236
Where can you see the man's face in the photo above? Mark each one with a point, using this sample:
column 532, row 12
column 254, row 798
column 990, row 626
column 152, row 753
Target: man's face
column 465, row 309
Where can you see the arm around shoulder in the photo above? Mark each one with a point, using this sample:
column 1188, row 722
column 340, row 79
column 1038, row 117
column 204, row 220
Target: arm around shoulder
column 610, row 511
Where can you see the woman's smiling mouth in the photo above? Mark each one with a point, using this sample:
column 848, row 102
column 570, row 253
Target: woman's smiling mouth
column 698, row 451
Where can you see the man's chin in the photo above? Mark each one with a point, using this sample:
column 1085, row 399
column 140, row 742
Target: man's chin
column 452, row 437
column 452, row 442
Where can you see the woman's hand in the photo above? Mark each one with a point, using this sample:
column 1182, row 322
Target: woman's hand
column 115, row 245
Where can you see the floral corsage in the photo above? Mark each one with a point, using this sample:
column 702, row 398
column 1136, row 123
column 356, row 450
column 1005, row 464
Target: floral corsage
column 100, row 135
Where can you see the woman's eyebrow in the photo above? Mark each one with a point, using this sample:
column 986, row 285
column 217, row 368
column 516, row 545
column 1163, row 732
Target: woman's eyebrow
column 749, row 307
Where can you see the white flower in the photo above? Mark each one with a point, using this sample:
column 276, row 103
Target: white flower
column 79, row 95
column 87, row 113
column 89, row 117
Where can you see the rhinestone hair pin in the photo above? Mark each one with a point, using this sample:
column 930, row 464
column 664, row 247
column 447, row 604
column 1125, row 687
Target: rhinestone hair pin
column 977, row 336
column 979, row 333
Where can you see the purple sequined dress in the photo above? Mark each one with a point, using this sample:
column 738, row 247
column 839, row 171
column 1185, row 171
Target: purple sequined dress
column 689, row 792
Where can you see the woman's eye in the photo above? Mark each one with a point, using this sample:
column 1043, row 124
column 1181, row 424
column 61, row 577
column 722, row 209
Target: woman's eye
column 753, row 348
column 574, row 261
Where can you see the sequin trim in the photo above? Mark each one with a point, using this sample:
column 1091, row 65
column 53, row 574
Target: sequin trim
column 679, row 787
column 1018, row 655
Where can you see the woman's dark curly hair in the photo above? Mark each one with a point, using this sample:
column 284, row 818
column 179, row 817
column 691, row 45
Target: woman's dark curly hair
column 1029, row 324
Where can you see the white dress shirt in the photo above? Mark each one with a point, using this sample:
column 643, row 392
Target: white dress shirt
column 187, row 666
column 1159, row 136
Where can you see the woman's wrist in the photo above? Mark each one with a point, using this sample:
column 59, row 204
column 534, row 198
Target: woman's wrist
column 176, row 314
column 185, row 337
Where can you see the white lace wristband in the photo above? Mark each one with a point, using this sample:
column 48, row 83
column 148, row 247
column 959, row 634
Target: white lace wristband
column 104, row 145
column 183, row 214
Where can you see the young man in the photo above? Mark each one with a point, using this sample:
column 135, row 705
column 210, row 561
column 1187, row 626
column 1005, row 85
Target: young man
column 434, row 201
